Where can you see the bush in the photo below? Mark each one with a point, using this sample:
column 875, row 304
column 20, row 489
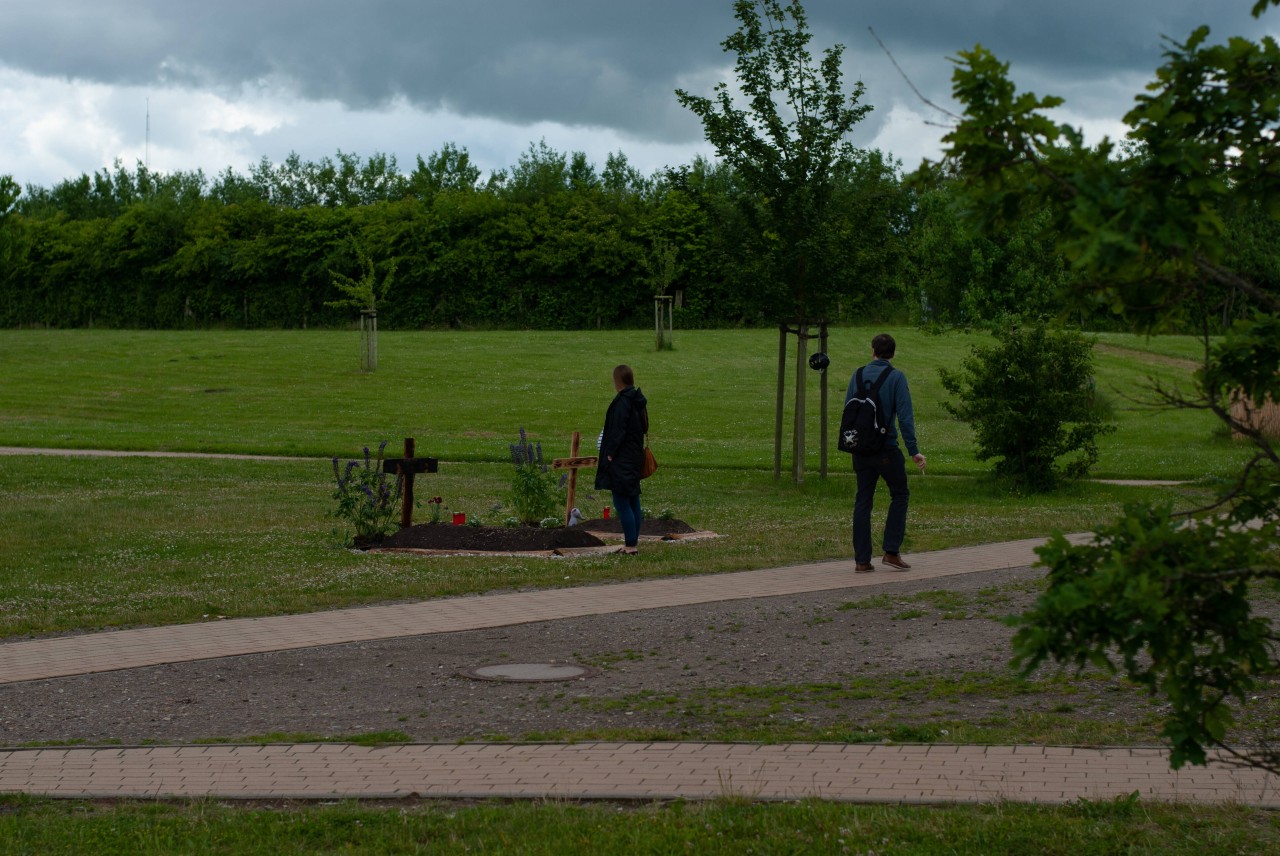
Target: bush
column 534, row 493
column 367, row 499
column 1029, row 399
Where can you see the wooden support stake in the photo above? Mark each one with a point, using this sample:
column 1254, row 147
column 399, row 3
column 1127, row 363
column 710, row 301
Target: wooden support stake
column 782, row 389
column 797, row 452
column 822, row 347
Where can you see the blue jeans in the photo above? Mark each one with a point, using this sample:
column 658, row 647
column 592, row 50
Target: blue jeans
column 891, row 466
column 629, row 515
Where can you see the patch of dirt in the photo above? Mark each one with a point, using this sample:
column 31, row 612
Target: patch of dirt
column 514, row 539
column 1146, row 356
column 443, row 536
column 649, row 526
column 830, row 665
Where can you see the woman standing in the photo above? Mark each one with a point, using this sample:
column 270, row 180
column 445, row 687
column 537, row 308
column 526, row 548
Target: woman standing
column 622, row 453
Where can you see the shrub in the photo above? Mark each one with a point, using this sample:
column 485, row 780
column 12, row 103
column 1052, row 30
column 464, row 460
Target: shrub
column 534, row 493
column 366, row 498
column 1029, row 401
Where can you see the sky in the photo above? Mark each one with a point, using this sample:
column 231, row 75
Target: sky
column 212, row 84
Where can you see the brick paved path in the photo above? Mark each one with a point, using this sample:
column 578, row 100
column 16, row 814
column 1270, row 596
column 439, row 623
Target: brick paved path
column 864, row 773
column 857, row 773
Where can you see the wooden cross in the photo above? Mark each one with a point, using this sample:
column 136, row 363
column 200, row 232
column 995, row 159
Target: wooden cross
column 406, row 468
column 573, row 463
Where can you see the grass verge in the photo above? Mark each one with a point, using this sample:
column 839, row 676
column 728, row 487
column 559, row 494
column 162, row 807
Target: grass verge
column 728, row 826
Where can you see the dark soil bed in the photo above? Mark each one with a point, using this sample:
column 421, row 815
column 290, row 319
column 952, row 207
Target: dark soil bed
column 443, row 536
column 503, row 539
column 647, row 526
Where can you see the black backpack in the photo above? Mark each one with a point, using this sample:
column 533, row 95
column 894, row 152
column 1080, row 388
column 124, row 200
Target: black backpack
column 861, row 432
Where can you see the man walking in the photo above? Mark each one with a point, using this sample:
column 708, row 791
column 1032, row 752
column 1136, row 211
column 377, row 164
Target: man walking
column 889, row 464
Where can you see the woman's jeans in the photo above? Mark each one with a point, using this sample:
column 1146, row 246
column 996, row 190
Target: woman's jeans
column 891, row 466
column 628, row 508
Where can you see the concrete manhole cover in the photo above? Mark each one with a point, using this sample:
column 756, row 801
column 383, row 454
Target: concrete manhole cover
column 529, row 672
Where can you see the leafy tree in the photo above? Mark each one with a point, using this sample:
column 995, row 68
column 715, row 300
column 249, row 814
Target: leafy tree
column 1166, row 602
column 963, row 278
column 789, row 150
column 363, row 293
column 789, row 146
column 9, row 193
column 447, row 170
column 1029, row 401
column 540, row 172
column 620, row 177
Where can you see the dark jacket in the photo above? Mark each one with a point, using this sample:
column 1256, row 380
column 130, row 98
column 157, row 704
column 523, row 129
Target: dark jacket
column 895, row 402
column 625, row 424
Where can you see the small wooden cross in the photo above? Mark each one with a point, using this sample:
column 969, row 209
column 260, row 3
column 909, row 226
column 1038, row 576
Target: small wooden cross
column 573, row 463
column 406, row 468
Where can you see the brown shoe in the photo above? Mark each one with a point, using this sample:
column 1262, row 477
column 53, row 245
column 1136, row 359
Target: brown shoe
column 894, row 561
column 863, row 568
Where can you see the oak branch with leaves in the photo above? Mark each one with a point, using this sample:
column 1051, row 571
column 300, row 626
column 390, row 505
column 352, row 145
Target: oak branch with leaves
column 1165, row 599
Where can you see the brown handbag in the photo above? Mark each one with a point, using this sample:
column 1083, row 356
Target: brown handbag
column 650, row 465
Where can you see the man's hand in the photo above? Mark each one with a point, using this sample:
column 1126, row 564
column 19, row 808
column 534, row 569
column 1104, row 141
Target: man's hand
column 920, row 461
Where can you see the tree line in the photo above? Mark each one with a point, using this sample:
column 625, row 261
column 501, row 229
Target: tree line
column 552, row 242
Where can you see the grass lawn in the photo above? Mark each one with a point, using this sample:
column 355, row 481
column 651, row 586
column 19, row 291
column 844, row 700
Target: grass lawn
column 730, row 826
column 103, row 542
column 93, row 543
column 90, row 543
column 463, row 395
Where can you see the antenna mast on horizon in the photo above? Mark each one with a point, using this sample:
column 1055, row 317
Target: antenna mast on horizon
column 146, row 158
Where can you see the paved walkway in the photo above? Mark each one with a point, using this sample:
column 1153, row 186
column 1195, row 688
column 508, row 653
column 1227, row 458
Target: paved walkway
column 862, row 773
column 851, row 773
column 131, row 649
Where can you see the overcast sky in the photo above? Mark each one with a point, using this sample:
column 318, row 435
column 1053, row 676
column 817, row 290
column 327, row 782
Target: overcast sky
column 231, row 81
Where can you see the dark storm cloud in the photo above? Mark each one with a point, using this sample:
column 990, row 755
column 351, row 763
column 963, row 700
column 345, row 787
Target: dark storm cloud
column 577, row 62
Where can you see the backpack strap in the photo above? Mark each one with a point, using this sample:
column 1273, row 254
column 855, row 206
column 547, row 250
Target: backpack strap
column 875, row 388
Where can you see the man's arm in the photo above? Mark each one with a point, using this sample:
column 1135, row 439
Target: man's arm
column 906, row 416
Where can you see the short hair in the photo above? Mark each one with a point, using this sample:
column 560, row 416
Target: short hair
column 622, row 374
column 884, row 346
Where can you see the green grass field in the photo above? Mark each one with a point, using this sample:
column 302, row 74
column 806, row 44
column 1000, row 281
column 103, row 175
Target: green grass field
column 463, row 395
column 91, row 543
column 96, row 542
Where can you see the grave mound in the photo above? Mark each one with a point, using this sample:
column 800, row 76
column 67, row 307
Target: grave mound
column 500, row 539
column 649, row 526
